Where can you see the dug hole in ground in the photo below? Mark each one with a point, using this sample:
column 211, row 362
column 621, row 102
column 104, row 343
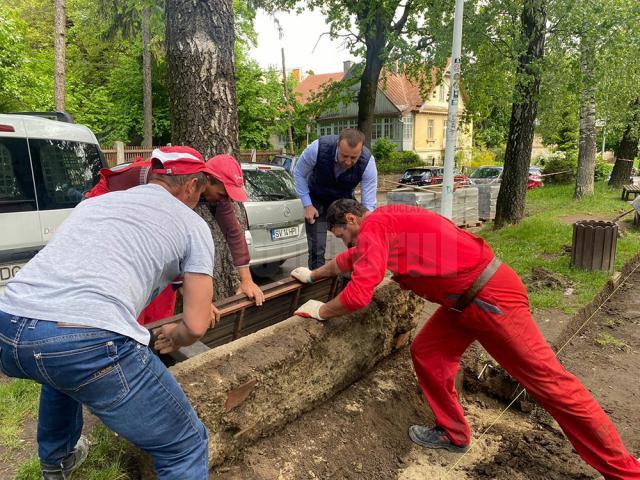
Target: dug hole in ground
column 361, row 432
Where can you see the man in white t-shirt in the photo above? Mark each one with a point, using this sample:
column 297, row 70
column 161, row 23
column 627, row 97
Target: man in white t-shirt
column 68, row 320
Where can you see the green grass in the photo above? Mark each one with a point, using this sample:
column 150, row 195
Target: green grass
column 106, row 460
column 540, row 239
column 18, row 401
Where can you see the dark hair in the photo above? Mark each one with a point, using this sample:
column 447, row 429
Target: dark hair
column 353, row 136
column 337, row 212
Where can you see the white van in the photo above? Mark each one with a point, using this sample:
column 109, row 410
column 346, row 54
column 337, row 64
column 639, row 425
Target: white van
column 45, row 168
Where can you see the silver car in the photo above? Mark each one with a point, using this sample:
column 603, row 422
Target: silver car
column 275, row 218
column 486, row 175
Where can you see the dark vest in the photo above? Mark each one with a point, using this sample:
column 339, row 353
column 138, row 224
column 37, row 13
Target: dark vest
column 324, row 187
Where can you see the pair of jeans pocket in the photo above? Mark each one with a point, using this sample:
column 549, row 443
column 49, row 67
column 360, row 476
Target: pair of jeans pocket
column 91, row 375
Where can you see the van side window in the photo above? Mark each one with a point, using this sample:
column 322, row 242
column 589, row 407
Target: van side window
column 64, row 170
column 16, row 181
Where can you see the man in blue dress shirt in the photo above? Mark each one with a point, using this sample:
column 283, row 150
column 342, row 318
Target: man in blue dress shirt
column 329, row 169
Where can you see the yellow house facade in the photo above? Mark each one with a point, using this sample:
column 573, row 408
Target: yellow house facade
column 430, row 126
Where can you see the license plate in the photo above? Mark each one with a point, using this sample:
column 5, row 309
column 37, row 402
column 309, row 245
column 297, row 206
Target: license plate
column 7, row 272
column 282, row 233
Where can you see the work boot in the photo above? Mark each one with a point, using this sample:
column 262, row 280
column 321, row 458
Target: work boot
column 434, row 437
column 65, row 468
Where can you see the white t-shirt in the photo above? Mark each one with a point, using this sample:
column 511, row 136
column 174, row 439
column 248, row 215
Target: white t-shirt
column 109, row 259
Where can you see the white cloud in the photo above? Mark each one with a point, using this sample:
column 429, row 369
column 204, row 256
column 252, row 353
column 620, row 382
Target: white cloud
column 300, row 35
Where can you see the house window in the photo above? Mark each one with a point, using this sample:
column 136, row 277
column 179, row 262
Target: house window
column 407, row 126
column 442, row 92
column 382, row 127
column 429, row 129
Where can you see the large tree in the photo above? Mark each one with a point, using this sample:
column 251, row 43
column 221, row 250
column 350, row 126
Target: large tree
column 511, row 198
column 627, row 149
column 60, row 46
column 199, row 41
column 380, row 32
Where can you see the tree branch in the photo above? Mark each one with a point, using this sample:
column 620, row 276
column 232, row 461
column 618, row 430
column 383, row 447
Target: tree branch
column 399, row 25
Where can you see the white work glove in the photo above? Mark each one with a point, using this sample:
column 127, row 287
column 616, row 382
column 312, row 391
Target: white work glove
column 302, row 274
column 311, row 309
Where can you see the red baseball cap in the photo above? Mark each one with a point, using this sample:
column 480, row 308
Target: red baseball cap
column 178, row 161
column 226, row 169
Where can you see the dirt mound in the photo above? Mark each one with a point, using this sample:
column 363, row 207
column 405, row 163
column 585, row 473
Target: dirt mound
column 541, row 278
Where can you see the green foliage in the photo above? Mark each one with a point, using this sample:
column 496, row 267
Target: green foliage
column 398, row 162
column 603, row 169
column 482, row 156
column 383, row 148
column 563, row 164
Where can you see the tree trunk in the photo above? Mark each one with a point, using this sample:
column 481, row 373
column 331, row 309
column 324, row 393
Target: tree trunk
column 627, row 150
column 199, row 40
column 147, row 135
column 587, row 145
column 513, row 189
column 59, row 53
column 375, row 40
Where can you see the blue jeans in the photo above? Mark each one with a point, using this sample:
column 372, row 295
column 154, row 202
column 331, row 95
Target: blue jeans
column 119, row 380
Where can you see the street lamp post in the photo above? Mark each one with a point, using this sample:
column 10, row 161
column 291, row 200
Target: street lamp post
column 446, row 207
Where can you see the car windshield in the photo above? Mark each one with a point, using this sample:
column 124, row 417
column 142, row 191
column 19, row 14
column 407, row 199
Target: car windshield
column 535, row 171
column 416, row 172
column 486, row 173
column 272, row 184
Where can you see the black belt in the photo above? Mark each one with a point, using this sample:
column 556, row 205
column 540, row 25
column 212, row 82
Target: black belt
column 478, row 284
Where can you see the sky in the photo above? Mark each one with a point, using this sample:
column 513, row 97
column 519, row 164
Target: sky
column 300, row 34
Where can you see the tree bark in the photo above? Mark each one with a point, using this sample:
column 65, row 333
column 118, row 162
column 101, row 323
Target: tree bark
column 375, row 41
column 513, row 189
column 587, row 144
column 147, row 129
column 199, row 41
column 627, row 150
column 59, row 54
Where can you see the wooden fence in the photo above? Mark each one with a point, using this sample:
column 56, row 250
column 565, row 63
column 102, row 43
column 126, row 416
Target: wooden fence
column 123, row 154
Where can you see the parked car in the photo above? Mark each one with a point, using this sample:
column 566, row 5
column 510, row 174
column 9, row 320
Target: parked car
column 288, row 162
column 421, row 176
column 275, row 218
column 45, row 167
column 535, row 178
column 486, row 175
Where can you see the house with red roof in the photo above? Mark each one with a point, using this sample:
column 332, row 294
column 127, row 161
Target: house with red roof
column 411, row 119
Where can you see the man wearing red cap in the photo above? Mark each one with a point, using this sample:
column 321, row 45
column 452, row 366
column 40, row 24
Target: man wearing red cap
column 225, row 184
column 68, row 320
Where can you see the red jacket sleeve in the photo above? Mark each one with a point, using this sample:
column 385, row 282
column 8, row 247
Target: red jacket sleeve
column 369, row 263
column 233, row 233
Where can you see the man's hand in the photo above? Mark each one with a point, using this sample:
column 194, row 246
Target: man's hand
column 251, row 290
column 311, row 309
column 215, row 315
column 310, row 214
column 164, row 342
column 302, row 274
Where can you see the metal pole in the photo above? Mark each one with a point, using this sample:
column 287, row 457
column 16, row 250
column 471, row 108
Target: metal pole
column 446, row 208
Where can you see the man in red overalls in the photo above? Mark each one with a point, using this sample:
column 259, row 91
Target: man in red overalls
column 481, row 299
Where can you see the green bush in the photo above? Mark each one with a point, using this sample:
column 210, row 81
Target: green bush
column 557, row 162
column 383, row 149
column 482, row 156
column 603, row 169
column 398, row 162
